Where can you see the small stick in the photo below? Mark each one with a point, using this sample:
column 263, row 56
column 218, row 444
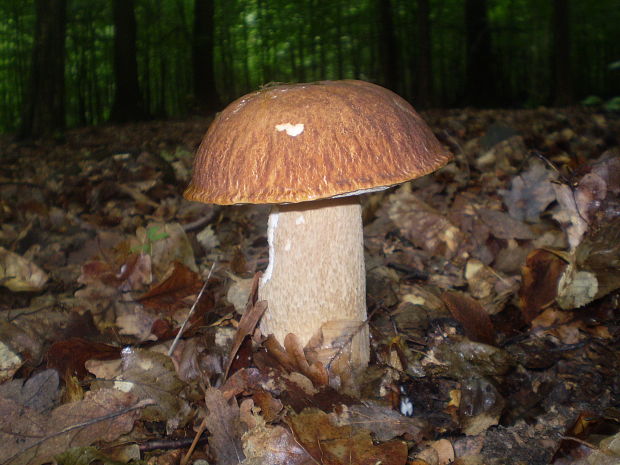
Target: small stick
column 191, row 312
column 201, row 429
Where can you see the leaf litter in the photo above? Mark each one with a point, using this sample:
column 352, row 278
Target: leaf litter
column 492, row 289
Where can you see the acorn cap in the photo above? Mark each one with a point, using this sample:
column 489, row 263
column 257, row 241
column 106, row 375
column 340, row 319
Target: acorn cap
column 301, row 142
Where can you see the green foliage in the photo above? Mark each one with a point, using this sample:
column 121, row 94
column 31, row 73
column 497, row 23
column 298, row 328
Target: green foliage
column 261, row 41
column 612, row 104
column 592, row 100
column 153, row 234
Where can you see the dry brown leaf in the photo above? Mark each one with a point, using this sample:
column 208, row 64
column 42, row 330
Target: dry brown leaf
column 341, row 445
column 246, row 327
column 39, row 393
column 539, row 287
column 480, row 407
column 68, row 356
column 269, row 406
column 168, row 295
column 503, row 226
column 169, row 245
column 424, row 226
column 472, row 316
column 32, row 438
column 20, row 274
column 445, row 451
column 315, row 372
column 151, row 375
column 273, row 445
column 530, row 193
column 384, row 422
column 223, row 423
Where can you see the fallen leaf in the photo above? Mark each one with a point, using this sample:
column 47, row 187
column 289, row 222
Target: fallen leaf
column 165, row 243
column 539, row 287
column 481, row 406
column 503, row 226
column 253, row 313
column 32, row 438
column 150, row 375
column 223, row 423
column 424, row 226
column 20, row 274
column 168, row 295
column 39, row 393
column 68, row 356
column 472, row 316
column 341, row 445
column 382, row 421
column 530, row 193
column 273, row 445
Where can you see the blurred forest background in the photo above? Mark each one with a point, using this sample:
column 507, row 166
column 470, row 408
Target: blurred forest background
column 68, row 63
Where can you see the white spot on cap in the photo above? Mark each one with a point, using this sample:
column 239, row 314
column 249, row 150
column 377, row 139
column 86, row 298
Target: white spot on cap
column 291, row 129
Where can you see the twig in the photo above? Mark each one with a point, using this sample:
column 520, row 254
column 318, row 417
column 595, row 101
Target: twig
column 191, row 312
column 201, row 429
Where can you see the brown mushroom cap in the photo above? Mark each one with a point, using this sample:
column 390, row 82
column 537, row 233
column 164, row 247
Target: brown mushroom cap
column 300, row 142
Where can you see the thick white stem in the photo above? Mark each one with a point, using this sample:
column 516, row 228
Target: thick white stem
column 316, row 271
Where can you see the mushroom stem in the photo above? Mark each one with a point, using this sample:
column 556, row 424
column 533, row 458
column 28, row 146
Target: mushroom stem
column 316, row 271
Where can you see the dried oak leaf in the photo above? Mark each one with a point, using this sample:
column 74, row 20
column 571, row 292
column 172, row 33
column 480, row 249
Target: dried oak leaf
column 225, row 428
column 151, row 375
column 292, row 358
column 39, row 392
column 273, row 445
column 168, row 295
column 341, row 445
column 530, row 193
column 384, row 422
column 32, row 438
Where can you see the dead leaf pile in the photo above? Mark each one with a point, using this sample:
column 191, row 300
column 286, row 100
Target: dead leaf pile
column 493, row 289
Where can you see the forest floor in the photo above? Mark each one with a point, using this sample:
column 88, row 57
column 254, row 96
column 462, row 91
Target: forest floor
column 492, row 293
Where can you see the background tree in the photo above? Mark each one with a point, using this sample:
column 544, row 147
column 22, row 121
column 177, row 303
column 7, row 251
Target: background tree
column 562, row 89
column 127, row 59
column 44, row 111
column 480, row 79
column 205, row 92
column 423, row 71
column 127, row 99
column 388, row 45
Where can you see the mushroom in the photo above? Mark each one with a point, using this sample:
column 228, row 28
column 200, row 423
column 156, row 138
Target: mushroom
column 310, row 150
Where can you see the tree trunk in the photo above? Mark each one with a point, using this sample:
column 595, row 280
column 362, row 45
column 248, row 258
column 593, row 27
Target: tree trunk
column 388, row 46
column 480, row 81
column 205, row 91
column 127, row 99
column 562, row 88
column 423, row 73
column 44, row 111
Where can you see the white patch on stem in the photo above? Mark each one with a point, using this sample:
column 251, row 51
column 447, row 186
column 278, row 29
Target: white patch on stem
column 292, row 130
column 272, row 224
